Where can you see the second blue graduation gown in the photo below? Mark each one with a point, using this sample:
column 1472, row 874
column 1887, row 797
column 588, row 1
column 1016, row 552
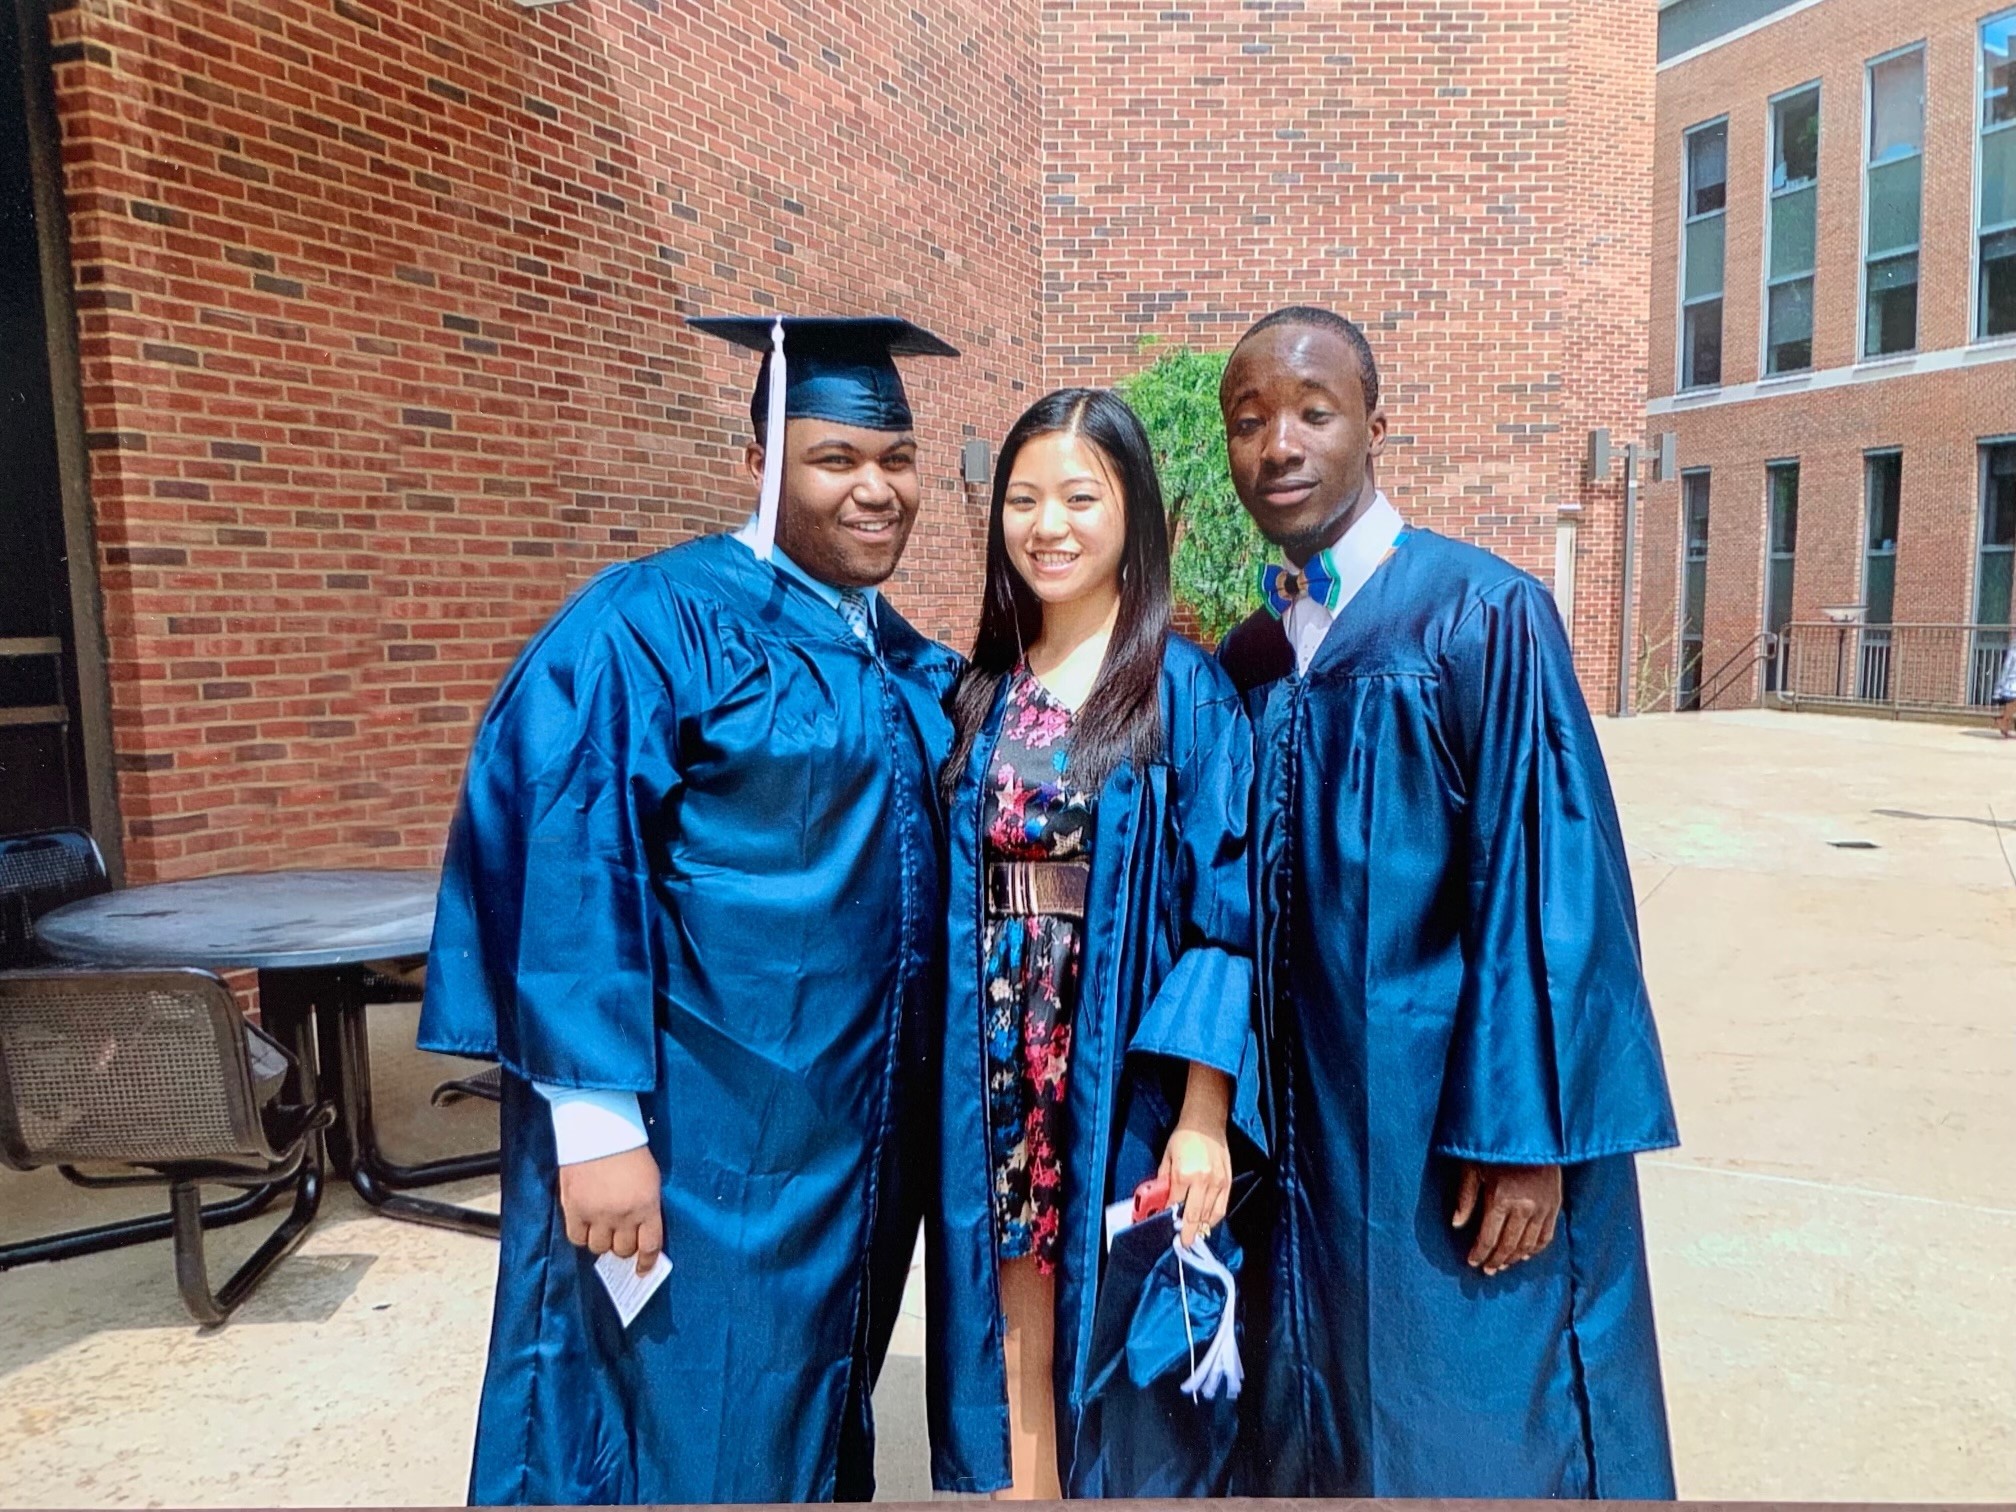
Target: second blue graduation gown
column 1449, row 970
column 1165, row 979
column 697, row 858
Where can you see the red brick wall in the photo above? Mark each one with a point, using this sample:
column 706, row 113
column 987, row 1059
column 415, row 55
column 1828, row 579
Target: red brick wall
column 377, row 303
column 1607, row 240
column 1937, row 418
column 1464, row 182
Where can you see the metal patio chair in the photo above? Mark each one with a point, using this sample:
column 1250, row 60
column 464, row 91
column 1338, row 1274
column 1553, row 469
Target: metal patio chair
column 39, row 872
column 158, row 1071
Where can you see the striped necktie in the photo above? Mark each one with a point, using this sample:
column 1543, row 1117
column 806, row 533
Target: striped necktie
column 854, row 610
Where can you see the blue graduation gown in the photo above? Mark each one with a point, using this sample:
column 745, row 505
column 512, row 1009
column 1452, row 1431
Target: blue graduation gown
column 1449, row 969
column 1165, row 979
column 697, row 858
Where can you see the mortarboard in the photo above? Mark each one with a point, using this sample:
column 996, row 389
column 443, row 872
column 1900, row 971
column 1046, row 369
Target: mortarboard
column 1164, row 1310
column 839, row 368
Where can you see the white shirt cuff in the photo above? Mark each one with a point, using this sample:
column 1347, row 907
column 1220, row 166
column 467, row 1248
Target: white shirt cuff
column 591, row 1125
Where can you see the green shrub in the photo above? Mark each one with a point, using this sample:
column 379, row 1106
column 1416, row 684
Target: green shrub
column 1217, row 551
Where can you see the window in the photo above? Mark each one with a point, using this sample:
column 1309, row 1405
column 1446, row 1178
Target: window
column 1781, row 547
column 1693, row 587
column 1992, row 574
column 1788, row 274
column 1885, row 489
column 1883, row 492
column 1995, row 213
column 1701, row 256
column 1995, row 567
column 1893, row 194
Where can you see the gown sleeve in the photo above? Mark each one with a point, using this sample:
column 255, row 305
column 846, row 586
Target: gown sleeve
column 543, row 953
column 1203, row 1010
column 1554, row 1058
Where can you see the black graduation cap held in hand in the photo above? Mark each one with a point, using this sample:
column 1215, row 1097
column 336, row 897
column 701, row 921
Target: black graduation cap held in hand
column 820, row 367
column 1154, row 1320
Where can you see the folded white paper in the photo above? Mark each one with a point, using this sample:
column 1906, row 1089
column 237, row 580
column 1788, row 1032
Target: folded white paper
column 628, row 1290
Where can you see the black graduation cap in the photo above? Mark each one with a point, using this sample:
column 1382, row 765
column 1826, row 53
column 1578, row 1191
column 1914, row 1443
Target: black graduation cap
column 1161, row 1315
column 821, row 367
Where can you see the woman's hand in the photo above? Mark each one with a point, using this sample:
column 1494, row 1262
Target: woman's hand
column 1197, row 1162
column 614, row 1204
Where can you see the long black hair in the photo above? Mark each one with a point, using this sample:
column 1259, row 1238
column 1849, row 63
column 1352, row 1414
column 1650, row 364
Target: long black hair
column 1121, row 723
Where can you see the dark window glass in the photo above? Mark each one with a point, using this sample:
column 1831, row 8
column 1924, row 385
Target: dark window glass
column 1789, row 328
column 1796, row 145
column 1704, row 344
column 1998, row 284
column 1885, row 494
column 1892, row 324
column 1693, row 587
column 1998, row 83
column 1708, row 169
column 1992, row 579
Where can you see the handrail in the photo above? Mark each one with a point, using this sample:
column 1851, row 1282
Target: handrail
column 1712, row 686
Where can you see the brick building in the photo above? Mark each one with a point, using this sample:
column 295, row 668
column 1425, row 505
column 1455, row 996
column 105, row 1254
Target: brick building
column 1834, row 346
column 375, row 353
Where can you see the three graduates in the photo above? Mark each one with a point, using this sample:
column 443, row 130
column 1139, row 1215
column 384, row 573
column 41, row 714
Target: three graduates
column 787, row 930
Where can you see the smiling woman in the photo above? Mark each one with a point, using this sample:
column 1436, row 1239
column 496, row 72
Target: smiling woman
column 1097, row 1002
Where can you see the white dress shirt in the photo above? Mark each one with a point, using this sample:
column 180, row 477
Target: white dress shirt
column 1354, row 557
column 591, row 1125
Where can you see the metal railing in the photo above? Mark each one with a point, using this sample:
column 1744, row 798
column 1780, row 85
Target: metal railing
column 1762, row 649
column 1930, row 669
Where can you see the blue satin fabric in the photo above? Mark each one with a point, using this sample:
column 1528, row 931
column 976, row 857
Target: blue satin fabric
column 1449, row 968
column 1166, row 979
column 697, row 858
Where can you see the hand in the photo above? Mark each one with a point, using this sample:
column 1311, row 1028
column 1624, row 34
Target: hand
column 1197, row 1162
column 613, row 1204
column 1520, row 1206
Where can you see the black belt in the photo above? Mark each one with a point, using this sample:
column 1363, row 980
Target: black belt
column 1023, row 889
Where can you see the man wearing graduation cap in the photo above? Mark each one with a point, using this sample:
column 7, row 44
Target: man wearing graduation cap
column 692, row 904
column 1461, row 1053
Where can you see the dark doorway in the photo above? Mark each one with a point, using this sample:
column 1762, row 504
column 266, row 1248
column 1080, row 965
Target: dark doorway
column 42, row 752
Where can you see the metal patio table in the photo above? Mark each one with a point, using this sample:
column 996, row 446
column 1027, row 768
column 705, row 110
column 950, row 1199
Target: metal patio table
column 309, row 934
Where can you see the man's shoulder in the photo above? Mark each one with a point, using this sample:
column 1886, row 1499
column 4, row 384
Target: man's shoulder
column 645, row 600
column 1256, row 651
column 1464, row 567
column 904, row 645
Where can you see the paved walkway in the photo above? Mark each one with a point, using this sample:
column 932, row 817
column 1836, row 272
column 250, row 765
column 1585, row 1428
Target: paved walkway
column 1832, row 1247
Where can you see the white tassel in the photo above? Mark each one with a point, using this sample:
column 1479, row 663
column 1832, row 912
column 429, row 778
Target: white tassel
column 773, row 452
column 1221, row 1366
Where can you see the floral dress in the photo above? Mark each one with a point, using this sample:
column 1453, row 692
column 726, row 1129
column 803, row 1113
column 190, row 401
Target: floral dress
column 1032, row 812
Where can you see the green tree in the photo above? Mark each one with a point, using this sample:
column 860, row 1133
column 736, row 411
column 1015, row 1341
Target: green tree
column 1217, row 552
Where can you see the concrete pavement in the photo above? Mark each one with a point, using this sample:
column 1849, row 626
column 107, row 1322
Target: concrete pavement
column 1831, row 1248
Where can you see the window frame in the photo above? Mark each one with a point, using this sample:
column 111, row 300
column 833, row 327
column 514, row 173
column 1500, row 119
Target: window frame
column 1984, row 450
column 1867, row 144
column 1772, row 556
column 1870, row 456
column 1977, row 310
column 1688, row 219
column 1772, row 194
column 1686, row 694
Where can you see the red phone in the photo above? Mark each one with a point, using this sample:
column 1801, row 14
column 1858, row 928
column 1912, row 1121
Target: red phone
column 1151, row 1197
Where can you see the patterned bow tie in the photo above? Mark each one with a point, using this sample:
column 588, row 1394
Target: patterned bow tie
column 1281, row 586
